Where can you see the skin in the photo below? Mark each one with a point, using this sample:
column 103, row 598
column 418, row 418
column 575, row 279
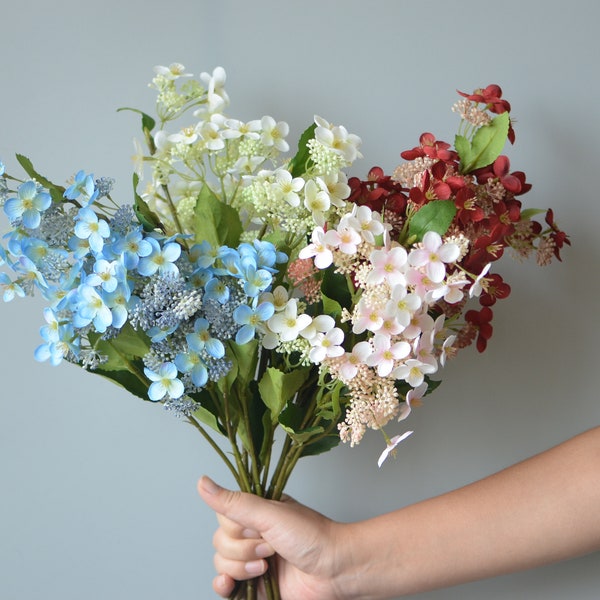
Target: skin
column 539, row 511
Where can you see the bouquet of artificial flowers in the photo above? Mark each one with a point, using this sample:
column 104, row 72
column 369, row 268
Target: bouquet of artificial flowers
column 251, row 292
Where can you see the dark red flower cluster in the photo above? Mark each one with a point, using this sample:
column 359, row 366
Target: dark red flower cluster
column 488, row 211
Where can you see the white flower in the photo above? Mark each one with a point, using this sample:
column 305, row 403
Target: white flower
column 138, row 159
column 288, row 323
column 235, row 129
column 172, row 72
column 273, row 133
column 391, row 447
column 187, row 136
column 211, row 136
column 278, row 298
column 365, row 221
column 320, row 324
column 337, row 187
column 286, row 187
column 326, row 345
column 316, row 199
column 215, row 85
column 337, row 138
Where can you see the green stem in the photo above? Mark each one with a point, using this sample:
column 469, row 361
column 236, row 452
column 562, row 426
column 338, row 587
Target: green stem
column 218, row 450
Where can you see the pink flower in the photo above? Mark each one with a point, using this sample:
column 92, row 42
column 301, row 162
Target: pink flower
column 432, row 255
column 358, row 356
column 385, row 354
column 413, row 371
column 388, row 265
column 318, row 249
column 389, row 449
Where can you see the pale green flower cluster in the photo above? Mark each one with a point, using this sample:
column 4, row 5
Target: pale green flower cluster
column 243, row 164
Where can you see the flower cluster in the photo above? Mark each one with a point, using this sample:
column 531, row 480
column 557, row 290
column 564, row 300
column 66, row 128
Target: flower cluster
column 240, row 271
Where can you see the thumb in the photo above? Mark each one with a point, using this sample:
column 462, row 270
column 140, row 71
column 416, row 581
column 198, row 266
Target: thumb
column 247, row 510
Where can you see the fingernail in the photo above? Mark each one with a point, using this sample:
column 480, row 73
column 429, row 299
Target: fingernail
column 208, row 485
column 263, row 550
column 254, row 567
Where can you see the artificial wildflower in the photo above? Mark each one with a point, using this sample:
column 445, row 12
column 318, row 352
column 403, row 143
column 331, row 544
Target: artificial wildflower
column 245, row 289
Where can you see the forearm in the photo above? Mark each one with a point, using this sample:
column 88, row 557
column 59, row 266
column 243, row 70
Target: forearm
column 544, row 509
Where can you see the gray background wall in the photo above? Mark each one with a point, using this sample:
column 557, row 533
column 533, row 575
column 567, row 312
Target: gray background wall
column 97, row 496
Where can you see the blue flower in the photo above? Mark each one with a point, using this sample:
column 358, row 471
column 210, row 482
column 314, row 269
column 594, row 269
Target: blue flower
column 118, row 301
column 250, row 318
column 30, row 202
column 11, row 288
column 60, row 339
column 201, row 339
column 79, row 247
column 31, row 272
column 89, row 227
column 256, row 280
column 106, row 274
column 164, row 382
column 132, row 247
column 158, row 334
column 83, row 185
column 216, row 289
column 203, row 255
column 89, row 308
column 160, row 259
column 190, row 362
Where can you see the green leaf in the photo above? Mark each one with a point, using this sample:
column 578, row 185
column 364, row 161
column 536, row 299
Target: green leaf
column 209, row 412
column 147, row 121
column 245, row 358
column 531, row 212
column 302, row 161
column 121, row 350
column 291, row 419
column 278, row 389
column 487, row 144
column 148, row 124
column 433, row 216
column 216, row 222
column 56, row 192
column 463, row 148
column 323, row 444
column 331, row 307
column 146, row 217
column 335, row 287
column 127, row 380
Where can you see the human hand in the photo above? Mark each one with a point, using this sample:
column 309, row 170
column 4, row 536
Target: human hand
column 307, row 545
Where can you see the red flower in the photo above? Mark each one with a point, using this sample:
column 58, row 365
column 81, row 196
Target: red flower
column 431, row 148
column 481, row 320
column 559, row 237
column 495, row 288
column 468, row 211
column 499, row 170
column 379, row 191
column 491, row 96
